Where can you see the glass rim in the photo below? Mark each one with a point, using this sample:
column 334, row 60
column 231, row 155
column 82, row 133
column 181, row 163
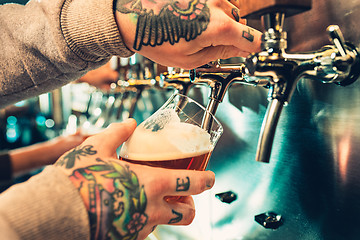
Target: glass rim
column 202, row 107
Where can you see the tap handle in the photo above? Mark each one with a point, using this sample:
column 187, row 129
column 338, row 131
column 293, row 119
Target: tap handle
column 337, row 38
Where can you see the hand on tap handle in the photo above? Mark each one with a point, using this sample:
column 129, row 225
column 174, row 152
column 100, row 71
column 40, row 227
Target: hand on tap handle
column 186, row 33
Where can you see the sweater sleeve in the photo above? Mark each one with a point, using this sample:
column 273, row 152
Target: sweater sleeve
column 47, row 206
column 48, row 43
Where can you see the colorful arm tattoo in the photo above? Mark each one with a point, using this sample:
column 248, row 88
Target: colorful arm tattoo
column 170, row 24
column 115, row 200
column 112, row 194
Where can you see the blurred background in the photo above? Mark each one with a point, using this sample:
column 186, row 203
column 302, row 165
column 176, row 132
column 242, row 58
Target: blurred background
column 310, row 189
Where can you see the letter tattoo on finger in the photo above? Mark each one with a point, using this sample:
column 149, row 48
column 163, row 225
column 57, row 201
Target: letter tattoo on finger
column 247, row 35
column 176, row 219
column 182, row 184
column 235, row 13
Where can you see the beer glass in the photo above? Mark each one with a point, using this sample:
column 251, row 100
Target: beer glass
column 174, row 136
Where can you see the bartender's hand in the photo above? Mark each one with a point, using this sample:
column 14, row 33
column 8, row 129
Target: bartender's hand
column 185, row 33
column 126, row 201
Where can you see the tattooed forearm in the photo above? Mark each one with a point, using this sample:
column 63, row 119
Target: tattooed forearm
column 69, row 158
column 170, row 24
column 176, row 219
column 182, row 184
column 115, row 200
column 247, row 35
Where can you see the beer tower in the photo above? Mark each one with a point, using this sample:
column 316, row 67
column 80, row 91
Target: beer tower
column 278, row 70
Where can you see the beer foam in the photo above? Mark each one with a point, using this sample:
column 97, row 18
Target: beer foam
column 167, row 140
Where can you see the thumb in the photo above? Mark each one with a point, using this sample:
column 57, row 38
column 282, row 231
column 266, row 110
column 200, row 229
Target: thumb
column 112, row 137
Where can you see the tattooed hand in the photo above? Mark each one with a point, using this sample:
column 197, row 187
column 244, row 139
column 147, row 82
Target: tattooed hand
column 185, row 33
column 127, row 201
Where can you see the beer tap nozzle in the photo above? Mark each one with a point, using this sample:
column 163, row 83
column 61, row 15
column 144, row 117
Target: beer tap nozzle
column 218, row 78
column 338, row 63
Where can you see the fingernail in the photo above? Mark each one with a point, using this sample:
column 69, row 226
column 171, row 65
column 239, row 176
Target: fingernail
column 210, row 183
column 129, row 120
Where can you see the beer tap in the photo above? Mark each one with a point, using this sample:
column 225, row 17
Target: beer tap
column 337, row 63
column 182, row 81
column 278, row 70
column 219, row 77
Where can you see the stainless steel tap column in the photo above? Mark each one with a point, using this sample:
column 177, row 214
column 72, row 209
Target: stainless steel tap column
column 313, row 179
column 282, row 83
column 338, row 63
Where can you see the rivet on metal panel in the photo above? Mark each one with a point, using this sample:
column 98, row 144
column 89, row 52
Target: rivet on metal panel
column 226, row 197
column 270, row 220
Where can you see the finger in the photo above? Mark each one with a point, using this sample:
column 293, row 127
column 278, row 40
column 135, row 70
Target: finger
column 186, row 182
column 236, row 3
column 112, row 137
column 181, row 212
column 230, row 33
column 175, row 213
column 209, row 54
column 233, row 11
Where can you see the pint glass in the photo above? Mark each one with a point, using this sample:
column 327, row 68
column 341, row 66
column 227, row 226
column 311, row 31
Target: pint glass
column 174, row 136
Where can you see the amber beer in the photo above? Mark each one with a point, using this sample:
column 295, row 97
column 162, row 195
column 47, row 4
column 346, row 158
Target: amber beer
column 173, row 137
column 198, row 162
column 177, row 146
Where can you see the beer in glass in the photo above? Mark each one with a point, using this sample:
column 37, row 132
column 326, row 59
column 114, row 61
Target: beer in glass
column 174, row 136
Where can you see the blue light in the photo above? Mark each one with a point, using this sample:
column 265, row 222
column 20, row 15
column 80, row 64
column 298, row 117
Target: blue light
column 40, row 120
column 11, row 120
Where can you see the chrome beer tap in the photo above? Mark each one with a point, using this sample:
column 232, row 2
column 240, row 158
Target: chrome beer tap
column 278, row 70
column 338, row 63
column 211, row 74
column 219, row 77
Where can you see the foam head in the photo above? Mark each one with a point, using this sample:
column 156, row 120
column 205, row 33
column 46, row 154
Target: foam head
column 164, row 137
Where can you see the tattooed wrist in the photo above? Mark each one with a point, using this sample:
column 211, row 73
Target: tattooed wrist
column 169, row 24
column 69, row 158
column 115, row 201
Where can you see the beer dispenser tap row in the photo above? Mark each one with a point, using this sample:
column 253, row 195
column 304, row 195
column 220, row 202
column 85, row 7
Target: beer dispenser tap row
column 278, row 70
column 302, row 183
column 272, row 68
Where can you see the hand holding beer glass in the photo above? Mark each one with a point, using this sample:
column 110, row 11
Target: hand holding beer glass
column 173, row 137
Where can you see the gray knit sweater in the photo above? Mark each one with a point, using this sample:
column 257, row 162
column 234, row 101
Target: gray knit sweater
column 48, row 43
column 44, row 45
